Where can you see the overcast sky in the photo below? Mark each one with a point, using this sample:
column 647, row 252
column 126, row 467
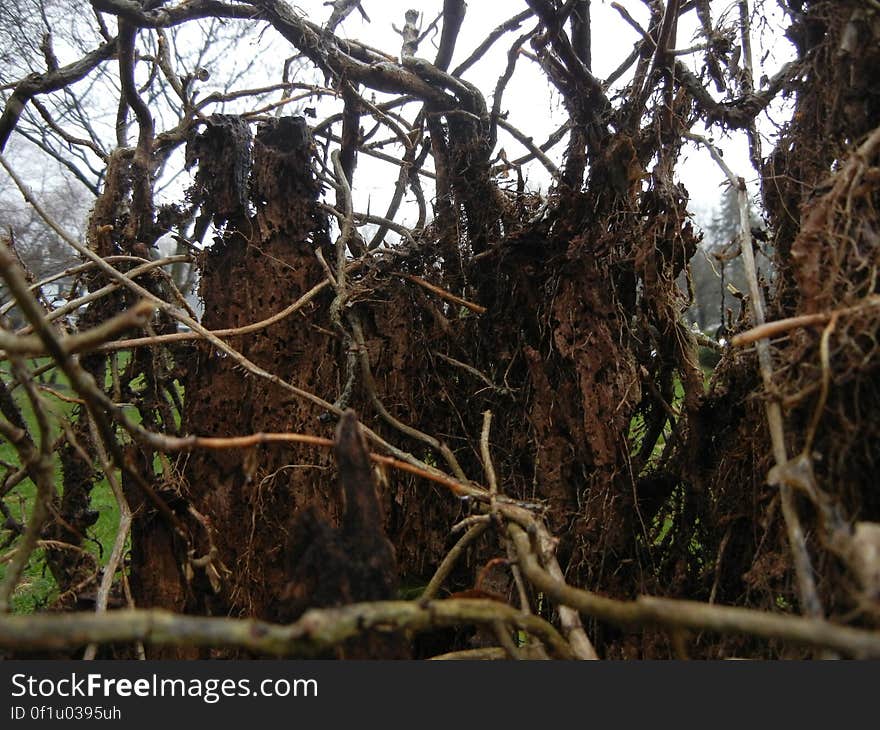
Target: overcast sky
column 532, row 103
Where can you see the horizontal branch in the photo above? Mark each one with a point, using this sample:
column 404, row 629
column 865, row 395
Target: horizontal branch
column 34, row 84
column 329, row 53
column 165, row 17
column 79, row 269
column 33, row 345
column 741, row 112
column 695, row 615
column 780, row 326
column 230, row 332
column 443, row 294
column 318, row 631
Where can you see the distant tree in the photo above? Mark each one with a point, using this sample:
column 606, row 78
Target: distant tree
column 41, row 250
column 717, row 275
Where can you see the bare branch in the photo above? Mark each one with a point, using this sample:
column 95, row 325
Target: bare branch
column 453, row 17
column 316, row 632
column 698, row 616
column 33, row 345
column 36, row 84
column 341, row 10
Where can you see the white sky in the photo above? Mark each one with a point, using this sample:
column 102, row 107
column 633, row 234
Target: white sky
column 533, row 105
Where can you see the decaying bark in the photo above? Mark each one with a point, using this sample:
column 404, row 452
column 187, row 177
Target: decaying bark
column 355, row 562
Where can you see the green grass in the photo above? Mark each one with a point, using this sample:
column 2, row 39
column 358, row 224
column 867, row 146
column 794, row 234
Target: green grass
column 37, row 587
column 637, row 424
column 664, row 521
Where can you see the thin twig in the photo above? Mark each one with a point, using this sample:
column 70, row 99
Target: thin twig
column 36, row 460
column 33, row 345
column 442, row 293
column 699, row 616
column 450, row 559
column 809, row 596
column 92, row 296
column 572, row 628
column 486, row 455
column 781, row 326
column 825, row 358
column 81, row 268
column 122, row 530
